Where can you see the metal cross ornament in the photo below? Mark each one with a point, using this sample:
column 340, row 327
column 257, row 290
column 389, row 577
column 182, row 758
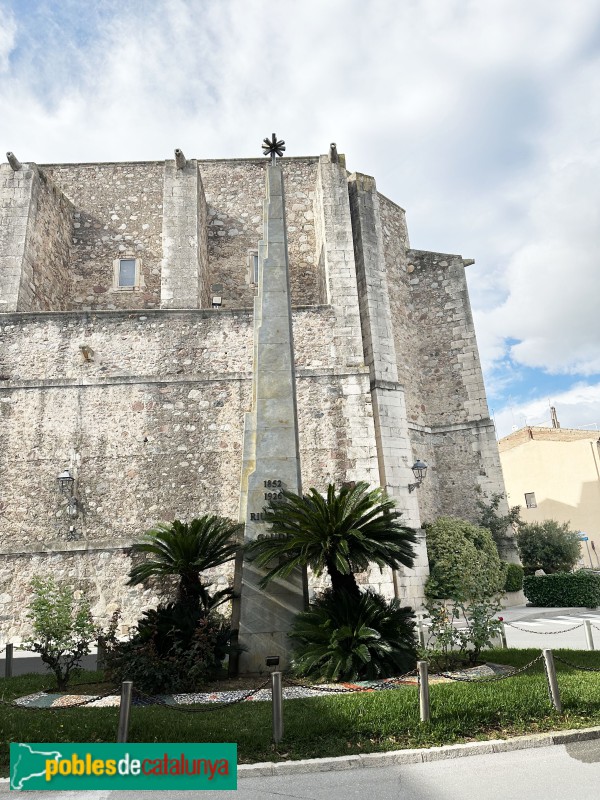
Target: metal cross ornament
column 273, row 147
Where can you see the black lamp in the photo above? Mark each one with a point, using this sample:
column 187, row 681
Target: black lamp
column 419, row 469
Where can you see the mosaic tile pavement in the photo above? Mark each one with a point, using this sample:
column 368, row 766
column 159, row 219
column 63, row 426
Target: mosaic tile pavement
column 49, row 700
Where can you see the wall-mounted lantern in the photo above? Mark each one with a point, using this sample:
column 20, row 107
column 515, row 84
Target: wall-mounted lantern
column 66, row 482
column 66, row 486
column 419, row 469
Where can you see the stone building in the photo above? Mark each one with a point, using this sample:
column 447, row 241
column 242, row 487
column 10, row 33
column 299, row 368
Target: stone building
column 126, row 324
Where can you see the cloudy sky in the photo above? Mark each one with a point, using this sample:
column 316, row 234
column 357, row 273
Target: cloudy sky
column 480, row 117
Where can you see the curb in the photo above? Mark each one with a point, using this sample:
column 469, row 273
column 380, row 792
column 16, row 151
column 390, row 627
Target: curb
column 417, row 755
column 414, row 756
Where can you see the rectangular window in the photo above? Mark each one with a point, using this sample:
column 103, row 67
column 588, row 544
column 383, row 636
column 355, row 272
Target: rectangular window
column 530, row 500
column 127, row 272
column 255, row 268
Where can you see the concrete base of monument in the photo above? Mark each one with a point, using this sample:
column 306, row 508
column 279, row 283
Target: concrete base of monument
column 266, row 616
column 259, row 648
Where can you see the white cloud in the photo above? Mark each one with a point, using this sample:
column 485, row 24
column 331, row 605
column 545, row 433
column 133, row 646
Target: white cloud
column 8, row 32
column 481, row 119
column 578, row 407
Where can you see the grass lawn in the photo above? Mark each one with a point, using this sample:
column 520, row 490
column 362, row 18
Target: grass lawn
column 336, row 725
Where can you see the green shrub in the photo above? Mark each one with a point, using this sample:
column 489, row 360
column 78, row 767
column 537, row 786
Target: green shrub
column 174, row 649
column 501, row 526
column 340, row 638
column 549, row 545
column 514, row 578
column 563, row 589
column 448, row 645
column 63, row 629
column 464, row 563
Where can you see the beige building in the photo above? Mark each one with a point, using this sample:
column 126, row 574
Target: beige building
column 554, row 473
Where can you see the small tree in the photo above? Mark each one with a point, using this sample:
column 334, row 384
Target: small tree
column 498, row 524
column 62, row 628
column 549, row 545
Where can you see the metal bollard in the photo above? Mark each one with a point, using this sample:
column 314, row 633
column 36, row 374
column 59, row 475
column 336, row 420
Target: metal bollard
column 124, row 709
column 552, row 682
column 101, row 655
column 588, row 634
column 503, row 635
column 277, row 706
column 8, row 664
column 424, row 708
column 421, row 630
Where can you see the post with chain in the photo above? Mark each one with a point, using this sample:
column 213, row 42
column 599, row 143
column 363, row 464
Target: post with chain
column 421, row 629
column 552, row 682
column 124, row 710
column 588, row 634
column 8, row 663
column 277, row 706
column 422, row 669
column 503, row 635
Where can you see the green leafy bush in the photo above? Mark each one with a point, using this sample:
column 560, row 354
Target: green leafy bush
column 448, row 645
column 563, row 589
column 63, row 629
column 501, row 526
column 341, row 638
column 514, row 578
column 175, row 649
column 464, row 564
column 549, row 545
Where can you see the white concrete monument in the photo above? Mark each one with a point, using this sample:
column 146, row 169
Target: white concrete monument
column 271, row 460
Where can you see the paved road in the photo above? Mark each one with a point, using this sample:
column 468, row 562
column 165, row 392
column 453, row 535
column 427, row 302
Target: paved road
column 562, row 772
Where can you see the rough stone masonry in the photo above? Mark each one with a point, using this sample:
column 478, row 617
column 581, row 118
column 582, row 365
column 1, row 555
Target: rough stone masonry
column 126, row 356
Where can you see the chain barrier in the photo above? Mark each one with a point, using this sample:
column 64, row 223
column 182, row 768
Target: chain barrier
column 544, row 633
column 575, row 666
column 152, row 700
column 491, row 678
column 350, row 689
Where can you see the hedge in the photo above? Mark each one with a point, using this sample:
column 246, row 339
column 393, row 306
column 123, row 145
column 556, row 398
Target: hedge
column 514, row 578
column 563, row 589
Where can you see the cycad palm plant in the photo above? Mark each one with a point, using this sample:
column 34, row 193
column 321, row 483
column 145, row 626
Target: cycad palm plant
column 343, row 638
column 341, row 533
column 186, row 550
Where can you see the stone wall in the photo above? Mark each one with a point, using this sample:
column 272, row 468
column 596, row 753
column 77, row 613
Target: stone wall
column 117, row 213
column 35, row 239
column 405, row 309
column 235, row 191
column 148, row 416
column 451, row 378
